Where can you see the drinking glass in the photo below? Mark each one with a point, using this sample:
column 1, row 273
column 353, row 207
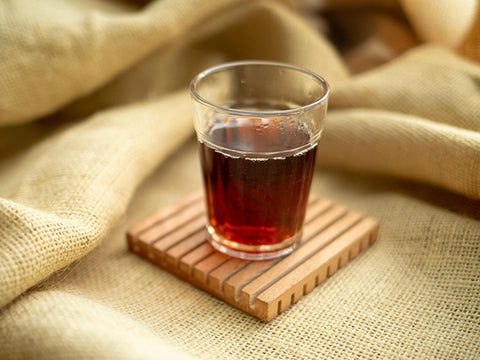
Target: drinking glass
column 258, row 124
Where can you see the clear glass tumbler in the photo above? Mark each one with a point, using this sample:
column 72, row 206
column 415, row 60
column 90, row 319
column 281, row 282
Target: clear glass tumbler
column 258, row 125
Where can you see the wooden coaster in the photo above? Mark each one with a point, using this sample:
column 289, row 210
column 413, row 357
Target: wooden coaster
column 175, row 239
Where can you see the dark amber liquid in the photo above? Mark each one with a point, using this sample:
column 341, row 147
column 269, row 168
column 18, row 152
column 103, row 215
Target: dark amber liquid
column 256, row 199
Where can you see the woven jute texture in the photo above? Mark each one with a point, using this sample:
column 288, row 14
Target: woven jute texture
column 96, row 134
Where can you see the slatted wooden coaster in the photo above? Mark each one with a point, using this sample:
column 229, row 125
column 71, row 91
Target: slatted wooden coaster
column 175, row 239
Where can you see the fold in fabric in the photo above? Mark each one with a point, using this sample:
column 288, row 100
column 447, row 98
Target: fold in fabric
column 78, row 184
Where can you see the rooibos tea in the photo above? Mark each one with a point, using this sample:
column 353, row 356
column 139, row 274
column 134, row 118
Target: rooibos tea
column 257, row 150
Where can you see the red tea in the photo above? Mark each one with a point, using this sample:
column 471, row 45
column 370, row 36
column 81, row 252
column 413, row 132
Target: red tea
column 256, row 188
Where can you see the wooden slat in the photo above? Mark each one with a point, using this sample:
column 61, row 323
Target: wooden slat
column 194, row 257
column 175, row 253
column 165, row 226
column 164, row 213
column 216, row 278
column 207, row 265
column 175, row 239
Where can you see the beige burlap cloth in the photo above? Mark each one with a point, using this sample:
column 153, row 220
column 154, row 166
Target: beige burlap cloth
column 96, row 133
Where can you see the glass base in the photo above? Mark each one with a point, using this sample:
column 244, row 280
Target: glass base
column 252, row 252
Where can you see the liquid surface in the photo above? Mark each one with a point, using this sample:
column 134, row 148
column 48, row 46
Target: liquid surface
column 258, row 135
column 251, row 199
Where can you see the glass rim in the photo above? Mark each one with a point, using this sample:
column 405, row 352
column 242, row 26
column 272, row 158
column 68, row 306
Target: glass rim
column 235, row 64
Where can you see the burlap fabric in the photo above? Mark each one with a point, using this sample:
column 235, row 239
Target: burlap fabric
column 96, row 134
